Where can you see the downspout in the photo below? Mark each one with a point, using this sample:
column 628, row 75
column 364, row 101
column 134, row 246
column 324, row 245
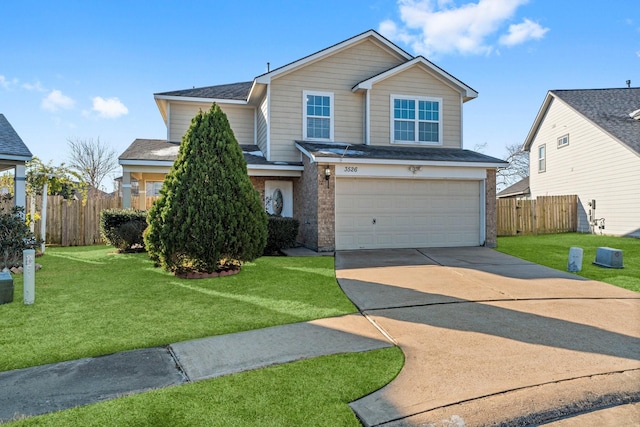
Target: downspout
column 483, row 211
column 268, row 119
column 367, row 117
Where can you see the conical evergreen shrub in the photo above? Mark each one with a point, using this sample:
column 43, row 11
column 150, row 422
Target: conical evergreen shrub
column 208, row 216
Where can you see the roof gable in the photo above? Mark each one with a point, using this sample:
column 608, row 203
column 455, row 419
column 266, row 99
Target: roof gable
column 608, row 109
column 370, row 34
column 467, row 92
column 11, row 145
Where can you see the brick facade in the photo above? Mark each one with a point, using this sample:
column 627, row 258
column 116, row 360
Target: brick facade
column 491, row 216
column 314, row 207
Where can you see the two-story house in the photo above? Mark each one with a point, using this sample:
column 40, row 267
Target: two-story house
column 361, row 142
column 587, row 142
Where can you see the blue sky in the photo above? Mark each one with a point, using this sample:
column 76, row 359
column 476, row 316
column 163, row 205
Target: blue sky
column 88, row 69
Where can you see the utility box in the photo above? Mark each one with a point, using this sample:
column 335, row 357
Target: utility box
column 6, row 287
column 609, row 257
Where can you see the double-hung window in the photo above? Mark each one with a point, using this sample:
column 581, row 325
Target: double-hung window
column 542, row 158
column 317, row 120
column 416, row 120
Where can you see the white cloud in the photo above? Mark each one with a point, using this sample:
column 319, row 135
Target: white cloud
column 56, row 101
column 5, row 83
column 434, row 27
column 37, row 86
column 110, row 108
column 520, row 33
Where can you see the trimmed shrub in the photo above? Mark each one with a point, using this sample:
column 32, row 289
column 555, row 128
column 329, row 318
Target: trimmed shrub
column 123, row 228
column 282, row 233
column 208, row 217
column 15, row 236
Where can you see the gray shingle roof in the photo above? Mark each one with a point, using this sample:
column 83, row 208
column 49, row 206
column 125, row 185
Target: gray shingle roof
column 237, row 91
column 10, row 142
column 151, row 149
column 520, row 188
column 162, row 150
column 609, row 109
column 380, row 152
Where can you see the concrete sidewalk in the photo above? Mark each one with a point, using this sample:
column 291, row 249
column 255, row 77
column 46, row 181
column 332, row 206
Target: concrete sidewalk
column 490, row 339
column 49, row 388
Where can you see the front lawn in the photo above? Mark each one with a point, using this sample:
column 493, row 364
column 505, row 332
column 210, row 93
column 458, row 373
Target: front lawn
column 552, row 250
column 91, row 301
column 307, row 393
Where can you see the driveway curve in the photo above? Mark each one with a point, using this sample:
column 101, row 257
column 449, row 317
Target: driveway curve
column 490, row 339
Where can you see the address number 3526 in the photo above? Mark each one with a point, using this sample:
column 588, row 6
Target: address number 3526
column 351, row 169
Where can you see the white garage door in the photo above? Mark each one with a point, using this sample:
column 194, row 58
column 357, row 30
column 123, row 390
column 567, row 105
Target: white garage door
column 401, row 213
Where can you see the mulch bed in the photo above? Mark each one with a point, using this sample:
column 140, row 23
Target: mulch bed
column 201, row 275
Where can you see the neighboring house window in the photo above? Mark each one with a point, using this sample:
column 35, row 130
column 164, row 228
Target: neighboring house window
column 416, row 119
column 317, row 116
column 153, row 188
column 542, row 158
column 563, row 141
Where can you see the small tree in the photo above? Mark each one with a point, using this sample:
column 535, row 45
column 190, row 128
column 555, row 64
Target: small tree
column 208, row 216
column 93, row 160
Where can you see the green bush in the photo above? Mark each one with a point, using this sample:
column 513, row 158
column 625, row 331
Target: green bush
column 15, row 236
column 123, row 228
column 282, row 233
column 209, row 216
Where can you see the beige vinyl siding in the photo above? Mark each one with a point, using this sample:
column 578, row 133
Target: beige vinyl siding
column 593, row 166
column 337, row 73
column 415, row 81
column 241, row 119
column 262, row 128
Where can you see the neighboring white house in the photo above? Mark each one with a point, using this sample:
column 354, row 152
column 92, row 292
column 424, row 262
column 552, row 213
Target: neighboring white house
column 361, row 142
column 587, row 142
column 13, row 155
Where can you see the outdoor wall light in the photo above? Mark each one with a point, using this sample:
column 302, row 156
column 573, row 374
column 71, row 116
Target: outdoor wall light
column 327, row 174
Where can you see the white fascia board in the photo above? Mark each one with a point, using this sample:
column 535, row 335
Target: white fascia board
column 538, row 121
column 266, row 78
column 339, row 160
column 15, row 158
column 164, row 163
column 203, row 100
column 275, row 170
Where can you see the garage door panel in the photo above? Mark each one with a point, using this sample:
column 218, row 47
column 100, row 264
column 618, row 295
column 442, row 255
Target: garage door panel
column 408, row 213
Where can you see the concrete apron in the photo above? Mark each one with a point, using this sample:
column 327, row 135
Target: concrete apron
column 491, row 339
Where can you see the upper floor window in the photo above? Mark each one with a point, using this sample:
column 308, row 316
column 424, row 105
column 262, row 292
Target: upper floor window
column 317, row 120
column 416, row 119
column 563, row 141
column 542, row 158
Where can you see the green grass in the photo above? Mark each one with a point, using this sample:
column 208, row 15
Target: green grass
column 307, row 393
column 90, row 301
column 553, row 251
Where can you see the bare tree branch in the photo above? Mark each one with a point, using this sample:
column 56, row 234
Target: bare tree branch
column 518, row 166
column 94, row 160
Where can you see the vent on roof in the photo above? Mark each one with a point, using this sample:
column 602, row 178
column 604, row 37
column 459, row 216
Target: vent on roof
column 635, row 115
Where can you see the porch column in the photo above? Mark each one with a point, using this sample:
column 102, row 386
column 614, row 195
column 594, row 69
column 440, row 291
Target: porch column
column 20, row 186
column 126, row 189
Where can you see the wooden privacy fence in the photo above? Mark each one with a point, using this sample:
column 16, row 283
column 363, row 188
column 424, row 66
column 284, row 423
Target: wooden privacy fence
column 70, row 222
column 544, row 215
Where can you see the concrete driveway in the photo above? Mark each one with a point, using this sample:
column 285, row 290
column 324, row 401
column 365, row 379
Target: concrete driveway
column 490, row 339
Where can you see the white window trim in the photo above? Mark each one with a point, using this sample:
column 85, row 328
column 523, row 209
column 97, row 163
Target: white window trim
column 542, row 159
column 562, row 138
column 393, row 97
column 305, row 93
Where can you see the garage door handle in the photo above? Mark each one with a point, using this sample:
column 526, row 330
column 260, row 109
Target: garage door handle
column 374, row 221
